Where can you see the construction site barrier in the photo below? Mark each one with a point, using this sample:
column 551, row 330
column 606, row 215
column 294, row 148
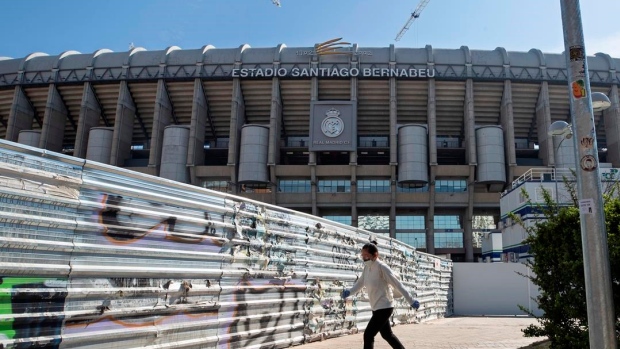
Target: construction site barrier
column 96, row 256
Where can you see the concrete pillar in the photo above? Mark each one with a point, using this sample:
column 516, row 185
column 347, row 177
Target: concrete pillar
column 470, row 151
column 123, row 126
column 30, row 137
column 468, row 237
column 20, row 116
column 275, row 125
column 100, row 144
column 470, row 123
column 90, row 114
column 54, row 120
column 174, row 153
column 314, row 96
column 468, row 231
column 196, row 152
column 353, row 154
column 432, row 147
column 162, row 117
column 393, row 149
column 612, row 127
column 430, row 213
column 393, row 143
column 507, row 122
column 543, row 120
column 237, row 119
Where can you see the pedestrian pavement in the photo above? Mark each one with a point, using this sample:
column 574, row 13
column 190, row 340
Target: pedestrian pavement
column 454, row 332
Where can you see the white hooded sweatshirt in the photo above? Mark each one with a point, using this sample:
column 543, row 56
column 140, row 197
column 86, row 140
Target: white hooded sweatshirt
column 376, row 277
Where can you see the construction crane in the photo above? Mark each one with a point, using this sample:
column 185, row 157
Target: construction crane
column 415, row 14
column 276, row 2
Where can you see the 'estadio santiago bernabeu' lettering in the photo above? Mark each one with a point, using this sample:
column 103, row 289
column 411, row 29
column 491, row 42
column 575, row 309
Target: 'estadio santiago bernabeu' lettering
column 332, row 72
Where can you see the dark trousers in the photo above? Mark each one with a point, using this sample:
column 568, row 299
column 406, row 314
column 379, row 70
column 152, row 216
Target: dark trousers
column 379, row 323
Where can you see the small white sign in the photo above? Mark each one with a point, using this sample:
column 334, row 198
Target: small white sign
column 586, row 206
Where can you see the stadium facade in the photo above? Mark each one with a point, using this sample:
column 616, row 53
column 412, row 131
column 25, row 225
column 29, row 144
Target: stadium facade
column 411, row 142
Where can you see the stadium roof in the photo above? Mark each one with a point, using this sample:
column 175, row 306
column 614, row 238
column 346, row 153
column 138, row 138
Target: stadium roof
column 179, row 68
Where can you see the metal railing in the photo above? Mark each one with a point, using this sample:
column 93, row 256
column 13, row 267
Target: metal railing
column 542, row 175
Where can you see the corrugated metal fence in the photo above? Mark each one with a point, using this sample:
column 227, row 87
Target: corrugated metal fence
column 94, row 256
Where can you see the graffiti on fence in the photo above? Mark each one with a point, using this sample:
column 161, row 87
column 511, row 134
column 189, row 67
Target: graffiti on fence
column 32, row 307
column 122, row 224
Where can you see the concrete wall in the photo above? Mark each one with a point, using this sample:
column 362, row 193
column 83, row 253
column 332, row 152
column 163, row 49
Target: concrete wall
column 493, row 289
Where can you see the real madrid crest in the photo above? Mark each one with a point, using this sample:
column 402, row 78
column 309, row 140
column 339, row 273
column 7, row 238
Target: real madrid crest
column 332, row 125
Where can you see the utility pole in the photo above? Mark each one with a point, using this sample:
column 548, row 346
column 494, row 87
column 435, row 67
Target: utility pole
column 601, row 317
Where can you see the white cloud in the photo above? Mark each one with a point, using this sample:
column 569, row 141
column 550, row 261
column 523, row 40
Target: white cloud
column 609, row 44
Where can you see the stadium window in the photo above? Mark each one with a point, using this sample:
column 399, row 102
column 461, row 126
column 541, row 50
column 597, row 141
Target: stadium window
column 411, row 188
column 448, row 240
column 373, row 186
column 340, row 219
column 450, row 186
column 334, row 186
column 410, row 222
column 410, row 230
column 417, row 240
column 260, row 188
column 218, row 185
column 447, row 222
column 294, row 186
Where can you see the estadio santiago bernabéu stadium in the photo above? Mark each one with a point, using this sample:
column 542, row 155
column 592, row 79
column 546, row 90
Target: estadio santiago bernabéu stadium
column 411, row 142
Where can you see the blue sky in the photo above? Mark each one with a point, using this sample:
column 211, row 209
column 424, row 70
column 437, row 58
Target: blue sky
column 56, row 26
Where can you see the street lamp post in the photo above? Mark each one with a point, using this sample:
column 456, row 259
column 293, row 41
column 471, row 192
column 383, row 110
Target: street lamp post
column 559, row 129
column 600, row 308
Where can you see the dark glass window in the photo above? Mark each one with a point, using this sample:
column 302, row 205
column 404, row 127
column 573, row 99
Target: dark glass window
column 294, row 185
column 334, row 186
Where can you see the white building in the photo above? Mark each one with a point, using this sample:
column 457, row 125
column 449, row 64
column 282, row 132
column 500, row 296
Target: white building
column 506, row 243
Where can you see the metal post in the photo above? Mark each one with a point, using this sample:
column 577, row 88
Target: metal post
column 593, row 233
column 555, row 164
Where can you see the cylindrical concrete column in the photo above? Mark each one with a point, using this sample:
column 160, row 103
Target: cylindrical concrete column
column 174, row 153
column 490, row 154
column 253, row 158
column 100, row 144
column 29, row 137
column 413, row 154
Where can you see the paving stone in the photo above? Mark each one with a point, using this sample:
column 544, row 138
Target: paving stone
column 449, row 333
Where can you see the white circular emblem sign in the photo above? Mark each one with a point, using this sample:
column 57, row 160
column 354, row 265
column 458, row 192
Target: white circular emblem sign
column 332, row 125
